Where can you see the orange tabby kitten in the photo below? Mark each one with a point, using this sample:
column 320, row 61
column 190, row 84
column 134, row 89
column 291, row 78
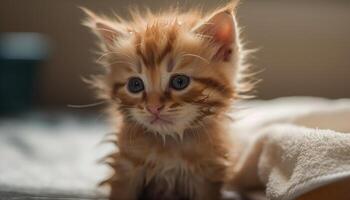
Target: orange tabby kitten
column 171, row 79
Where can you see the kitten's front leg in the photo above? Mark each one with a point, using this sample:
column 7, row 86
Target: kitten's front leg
column 126, row 183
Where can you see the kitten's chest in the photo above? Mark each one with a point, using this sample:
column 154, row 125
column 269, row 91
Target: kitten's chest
column 167, row 163
column 178, row 162
column 177, row 169
column 169, row 176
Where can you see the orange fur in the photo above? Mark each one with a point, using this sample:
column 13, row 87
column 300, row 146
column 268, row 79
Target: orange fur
column 192, row 154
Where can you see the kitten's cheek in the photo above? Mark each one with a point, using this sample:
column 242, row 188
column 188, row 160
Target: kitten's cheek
column 123, row 98
column 115, row 97
column 140, row 107
column 117, row 100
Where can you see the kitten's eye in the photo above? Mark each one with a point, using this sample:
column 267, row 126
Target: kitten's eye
column 179, row 82
column 135, row 85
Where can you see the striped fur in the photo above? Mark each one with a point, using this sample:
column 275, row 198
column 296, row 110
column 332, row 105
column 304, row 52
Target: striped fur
column 192, row 156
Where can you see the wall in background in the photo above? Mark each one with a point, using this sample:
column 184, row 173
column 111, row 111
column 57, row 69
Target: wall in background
column 304, row 45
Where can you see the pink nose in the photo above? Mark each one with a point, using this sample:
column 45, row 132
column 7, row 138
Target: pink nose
column 155, row 109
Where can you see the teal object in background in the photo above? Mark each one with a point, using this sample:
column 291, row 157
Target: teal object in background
column 20, row 57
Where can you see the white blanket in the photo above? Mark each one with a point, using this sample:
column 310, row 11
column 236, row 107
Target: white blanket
column 43, row 154
column 293, row 145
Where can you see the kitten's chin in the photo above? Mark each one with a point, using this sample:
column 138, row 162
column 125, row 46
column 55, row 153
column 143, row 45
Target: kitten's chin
column 165, row 127
column 171, row 127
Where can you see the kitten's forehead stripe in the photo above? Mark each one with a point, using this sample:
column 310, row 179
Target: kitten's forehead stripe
column 165, row 52
column 169, row 46
column 139, row 67
column 138, row 43
column 150, row 49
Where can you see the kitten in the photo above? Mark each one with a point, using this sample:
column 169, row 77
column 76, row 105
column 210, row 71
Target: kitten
column 171, row 79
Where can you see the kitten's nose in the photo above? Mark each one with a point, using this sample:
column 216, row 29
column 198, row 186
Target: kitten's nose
column 155, row 109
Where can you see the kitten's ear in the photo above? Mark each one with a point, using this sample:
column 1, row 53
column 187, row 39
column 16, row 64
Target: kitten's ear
column 220, row 28
column 104, row 29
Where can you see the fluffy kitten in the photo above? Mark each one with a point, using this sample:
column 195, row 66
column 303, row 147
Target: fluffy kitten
column 171, row 79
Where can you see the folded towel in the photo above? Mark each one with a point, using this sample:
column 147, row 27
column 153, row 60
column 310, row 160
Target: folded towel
column 293, row 145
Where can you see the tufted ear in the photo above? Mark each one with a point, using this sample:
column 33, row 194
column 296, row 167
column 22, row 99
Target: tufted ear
column 220, row 28
column 104, row 29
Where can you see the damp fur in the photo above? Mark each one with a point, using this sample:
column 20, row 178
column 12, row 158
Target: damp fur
column 193, row 155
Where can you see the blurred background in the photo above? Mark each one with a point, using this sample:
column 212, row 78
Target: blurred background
column 44, row 51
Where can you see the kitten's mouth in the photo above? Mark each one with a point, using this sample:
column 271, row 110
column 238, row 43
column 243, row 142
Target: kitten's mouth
column 160, row 120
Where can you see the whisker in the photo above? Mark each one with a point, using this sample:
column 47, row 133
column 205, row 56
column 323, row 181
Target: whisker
column 117, row 53
column 86, row 105
column 195, row 56
column 104, row 29
column 104, row 55
column 173, row 110
column 124, row 62
column 124, row 54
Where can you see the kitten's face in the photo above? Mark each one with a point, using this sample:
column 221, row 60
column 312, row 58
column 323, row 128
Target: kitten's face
column 166, row 75
column 160, row 97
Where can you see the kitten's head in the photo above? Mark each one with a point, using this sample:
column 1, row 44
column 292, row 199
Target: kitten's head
column 167, row 72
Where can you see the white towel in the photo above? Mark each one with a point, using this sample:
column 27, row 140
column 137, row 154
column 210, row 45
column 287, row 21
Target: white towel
column 293, row 145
